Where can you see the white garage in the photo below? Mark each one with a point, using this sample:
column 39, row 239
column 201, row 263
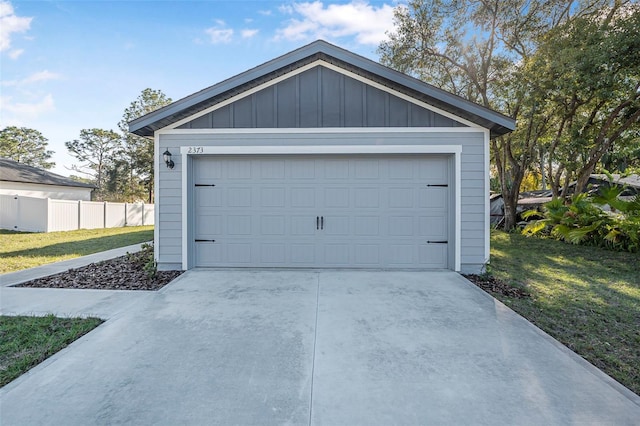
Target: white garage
column 322, row 159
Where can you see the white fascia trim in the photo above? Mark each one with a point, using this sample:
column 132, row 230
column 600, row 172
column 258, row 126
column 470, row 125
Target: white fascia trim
column 320, row 130
column 334, row 68
column 487, row 205
column 458, row 210
column 185, row 210
column 456, row 150
column 156, row 198
column 319, row 149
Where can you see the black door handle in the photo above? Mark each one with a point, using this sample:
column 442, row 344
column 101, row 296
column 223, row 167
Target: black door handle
column 317, row 222
column 321, row 222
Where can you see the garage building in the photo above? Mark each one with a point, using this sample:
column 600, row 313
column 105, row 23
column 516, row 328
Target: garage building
column 322, row 158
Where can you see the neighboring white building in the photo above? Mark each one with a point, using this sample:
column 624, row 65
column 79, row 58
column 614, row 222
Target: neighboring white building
column 27, row 181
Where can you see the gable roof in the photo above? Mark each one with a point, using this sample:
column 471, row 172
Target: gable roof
column 12, row 171
column 146, row 125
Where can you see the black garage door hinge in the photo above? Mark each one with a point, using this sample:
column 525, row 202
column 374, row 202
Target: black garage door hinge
column 441, row 185
column 437, row 242
column 205, row 241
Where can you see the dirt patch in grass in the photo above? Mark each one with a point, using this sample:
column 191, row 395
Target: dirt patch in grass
column 492, row 285
column 130, row 272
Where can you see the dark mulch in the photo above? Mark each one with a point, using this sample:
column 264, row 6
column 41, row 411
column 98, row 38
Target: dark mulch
column 493, row 285
column 122, row 273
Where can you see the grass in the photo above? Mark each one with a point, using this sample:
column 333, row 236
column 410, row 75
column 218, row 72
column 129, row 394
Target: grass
column 586, row 297
column 27, row 341
column 22, row 250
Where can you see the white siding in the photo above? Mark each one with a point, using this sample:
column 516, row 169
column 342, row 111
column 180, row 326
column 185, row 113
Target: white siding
column 45, row 191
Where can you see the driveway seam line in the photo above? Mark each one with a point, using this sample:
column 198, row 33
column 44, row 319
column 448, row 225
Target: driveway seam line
column 315, row 339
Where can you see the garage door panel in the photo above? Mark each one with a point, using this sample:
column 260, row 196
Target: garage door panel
column 239, row 225
column 303, row 254
column 401, row 255
column 377, row 212
column 336, row 197
column 272, row 225
column 367, row 169
column 432, row 227
column 209, row 225
column 272, row 169
column 272, row 197
column 208, row 254
column 367, row 255
column 273, row 253
column 401, row 197
column 303, row 169
column 433, row 255
column 207, row 196
column 303, row 197
column 336, row 225
column 366, row 197
column 238, row 196
column 303, row 225
column 238, row 253
column 337, row 254
column 336, row 169
column 401, row 226
column 367, row 225
column 433, row 197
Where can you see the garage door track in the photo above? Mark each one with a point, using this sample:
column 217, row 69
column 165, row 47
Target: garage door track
column 305, row 347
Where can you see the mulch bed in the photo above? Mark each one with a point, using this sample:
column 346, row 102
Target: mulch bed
column 493, row 285
column 122, row 273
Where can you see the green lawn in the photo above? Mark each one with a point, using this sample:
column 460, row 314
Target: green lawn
column 21, row 250
column 27, row 341
column 587, row 298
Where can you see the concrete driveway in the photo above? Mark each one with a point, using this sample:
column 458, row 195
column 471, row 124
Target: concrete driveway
column 332, row 348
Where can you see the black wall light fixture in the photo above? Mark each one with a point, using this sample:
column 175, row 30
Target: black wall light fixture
column 167, row 159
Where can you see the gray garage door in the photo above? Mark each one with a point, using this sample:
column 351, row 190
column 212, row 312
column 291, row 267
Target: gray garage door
column 321, row 211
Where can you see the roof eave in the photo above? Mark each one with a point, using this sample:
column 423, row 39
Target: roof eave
column 498, row 124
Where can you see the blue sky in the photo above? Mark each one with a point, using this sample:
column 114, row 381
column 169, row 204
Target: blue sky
column 71, row 65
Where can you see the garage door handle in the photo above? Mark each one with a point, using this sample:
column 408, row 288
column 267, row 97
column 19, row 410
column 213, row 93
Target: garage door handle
column 437, row 242
column 321, row 222
column 317, row 222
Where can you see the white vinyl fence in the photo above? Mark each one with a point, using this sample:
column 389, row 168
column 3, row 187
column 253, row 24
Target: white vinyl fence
column 47, row 215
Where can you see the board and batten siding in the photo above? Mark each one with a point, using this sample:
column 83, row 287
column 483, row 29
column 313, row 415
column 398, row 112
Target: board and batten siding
column 474, row 219
column 330, row 99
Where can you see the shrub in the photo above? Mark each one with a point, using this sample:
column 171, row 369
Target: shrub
column 583, row 220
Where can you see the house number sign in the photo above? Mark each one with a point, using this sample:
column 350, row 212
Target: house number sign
column 195, row 150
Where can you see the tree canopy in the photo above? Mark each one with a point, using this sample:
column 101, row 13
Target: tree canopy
column 566, row 71
column 27, row 146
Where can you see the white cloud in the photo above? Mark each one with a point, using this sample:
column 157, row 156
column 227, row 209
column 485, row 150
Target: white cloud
column 9, row 24
column 248, row 33
column 265, row 12
column 359, row 19
column 33, row 78
column 15, row 54
column 219, row 34
column 20, row 111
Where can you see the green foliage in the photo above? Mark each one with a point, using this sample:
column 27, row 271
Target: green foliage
column 27, row 341
column 584, row 221
column 133, row 175
column 27, row 146
column 95, row 150
column 150, row 265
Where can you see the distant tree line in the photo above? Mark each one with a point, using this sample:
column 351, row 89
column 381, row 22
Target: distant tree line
column 119, row 164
